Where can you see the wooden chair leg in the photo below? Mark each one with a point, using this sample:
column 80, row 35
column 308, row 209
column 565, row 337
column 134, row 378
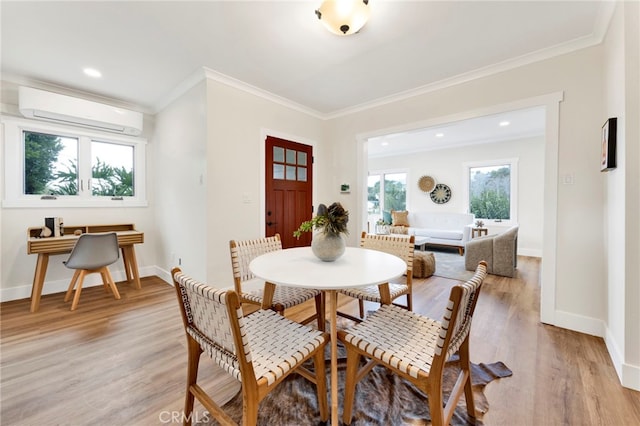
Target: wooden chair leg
column 193, row 354
column 321, row 385
column 106, row 273
column 76, row 274
column 353, row 360
column 320, row 310
column 76, row 297
column 435, row 405
column 361, row 307
column 465, row 365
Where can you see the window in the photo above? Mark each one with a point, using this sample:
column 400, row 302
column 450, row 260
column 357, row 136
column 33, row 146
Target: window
column 491, row 189
column 50, row 165
column 386, row 191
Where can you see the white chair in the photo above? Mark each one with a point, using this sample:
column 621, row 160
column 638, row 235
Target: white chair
column 92, row 253
column 259, row 350
column 242, row 253
column 416, row 348
column 400, row 245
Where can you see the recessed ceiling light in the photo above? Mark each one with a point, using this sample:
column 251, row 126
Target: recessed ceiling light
column 92, row 72
column 384, row 143
column 439, row 135
column 504, row 123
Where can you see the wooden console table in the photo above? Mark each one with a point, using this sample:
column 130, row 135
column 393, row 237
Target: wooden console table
column 46, row 246
column 479, row 231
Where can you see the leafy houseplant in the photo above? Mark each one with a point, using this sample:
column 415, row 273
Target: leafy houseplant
column 332, row 220
column 328, row 244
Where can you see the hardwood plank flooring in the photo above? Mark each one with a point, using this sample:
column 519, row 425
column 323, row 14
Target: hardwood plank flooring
column 123, row 362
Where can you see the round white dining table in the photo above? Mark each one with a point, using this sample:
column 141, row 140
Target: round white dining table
column 299, row 267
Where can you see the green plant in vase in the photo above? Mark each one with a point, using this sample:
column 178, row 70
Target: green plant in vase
column 328, row 243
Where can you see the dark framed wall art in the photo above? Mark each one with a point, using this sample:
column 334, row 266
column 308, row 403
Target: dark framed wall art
column 609, row 131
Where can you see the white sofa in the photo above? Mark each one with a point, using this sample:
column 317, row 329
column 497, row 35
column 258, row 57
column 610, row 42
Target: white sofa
column 444, row 229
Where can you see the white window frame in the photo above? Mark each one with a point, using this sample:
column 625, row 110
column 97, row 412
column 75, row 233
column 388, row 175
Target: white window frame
column 384, row 172
column 513, row 202
column 13, row 150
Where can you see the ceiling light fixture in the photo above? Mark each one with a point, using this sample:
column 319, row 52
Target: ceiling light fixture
column 92, row 72
column 504, row 123
column 343, row 17
column 439, row 135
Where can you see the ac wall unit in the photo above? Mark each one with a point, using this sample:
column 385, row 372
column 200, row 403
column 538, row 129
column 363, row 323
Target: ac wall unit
column 43, row 105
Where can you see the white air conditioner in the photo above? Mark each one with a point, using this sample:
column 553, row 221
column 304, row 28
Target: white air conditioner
column 42, row 105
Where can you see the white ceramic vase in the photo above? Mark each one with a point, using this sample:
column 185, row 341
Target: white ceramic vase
column 328, row 246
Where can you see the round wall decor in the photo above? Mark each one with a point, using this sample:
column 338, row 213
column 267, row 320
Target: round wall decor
column 440, row 194
column 426, row 183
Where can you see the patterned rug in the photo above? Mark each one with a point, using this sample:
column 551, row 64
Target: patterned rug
column 382, row 399
column 449, row 264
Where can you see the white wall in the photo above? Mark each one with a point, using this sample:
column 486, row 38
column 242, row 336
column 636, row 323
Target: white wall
column 446, row 166
column 18, row 267
column 237, row 122
column 621, row 88
column 580, row 292
column 181, row 185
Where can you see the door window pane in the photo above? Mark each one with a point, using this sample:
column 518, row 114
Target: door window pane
column 291, row 173
column 302, row 174
column 278, row 154
column 302, row 158
column 50, row 164
column 291, row 156
column 278, row 171
column 111, row 169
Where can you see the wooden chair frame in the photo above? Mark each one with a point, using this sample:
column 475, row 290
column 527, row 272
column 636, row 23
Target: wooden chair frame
column 242, row 252
column 253, row 390
column 400, row 245
column 449, row 336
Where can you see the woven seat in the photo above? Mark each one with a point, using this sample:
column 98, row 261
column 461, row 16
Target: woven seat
column 399, row 245
column 416, row 348
column 242, row 253
column 259, row 350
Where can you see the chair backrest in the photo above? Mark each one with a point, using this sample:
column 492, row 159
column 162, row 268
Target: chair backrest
column 402, row 246
column 213, row 317
column 244, row 251
column 456, row 321
column 93, row 251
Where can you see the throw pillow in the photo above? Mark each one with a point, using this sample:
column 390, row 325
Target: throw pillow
column 386, row 216
column 400, row 218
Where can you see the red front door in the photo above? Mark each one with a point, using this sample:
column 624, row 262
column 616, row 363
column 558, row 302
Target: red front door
column 288, row 189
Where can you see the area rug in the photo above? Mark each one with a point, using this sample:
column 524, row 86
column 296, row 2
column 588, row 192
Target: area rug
column 451, row 265
column 382, row 398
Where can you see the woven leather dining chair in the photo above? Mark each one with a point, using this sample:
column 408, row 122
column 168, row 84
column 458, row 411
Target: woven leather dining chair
column 251, row 289
column 92, row 253
column 416, row 348
column 259, row 350
column 400, row 245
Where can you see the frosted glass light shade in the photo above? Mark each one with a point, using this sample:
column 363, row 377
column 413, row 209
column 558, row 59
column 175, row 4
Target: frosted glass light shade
column 343, row 17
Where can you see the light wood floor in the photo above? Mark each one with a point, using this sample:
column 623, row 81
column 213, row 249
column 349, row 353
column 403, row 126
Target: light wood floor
column 123, row 362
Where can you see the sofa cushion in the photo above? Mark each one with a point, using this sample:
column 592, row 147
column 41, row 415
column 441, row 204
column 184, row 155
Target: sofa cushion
column 386, row 216
column 443, row 234
column 400, row 218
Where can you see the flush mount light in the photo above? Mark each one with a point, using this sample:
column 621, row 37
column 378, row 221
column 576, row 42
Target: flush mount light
column 439, row 135
column 92, row 72
column 504, row 123
column 343, row 17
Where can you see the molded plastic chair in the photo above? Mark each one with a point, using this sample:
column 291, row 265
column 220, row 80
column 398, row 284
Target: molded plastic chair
column 242, row 253
column 259, row 350
column 400, row 245
column 92, row 254
column 416, row 348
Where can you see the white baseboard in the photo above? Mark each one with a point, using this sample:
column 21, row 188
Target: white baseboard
column 580, row 323
column 628, row 374
column 58, row 286
column 530, row 252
